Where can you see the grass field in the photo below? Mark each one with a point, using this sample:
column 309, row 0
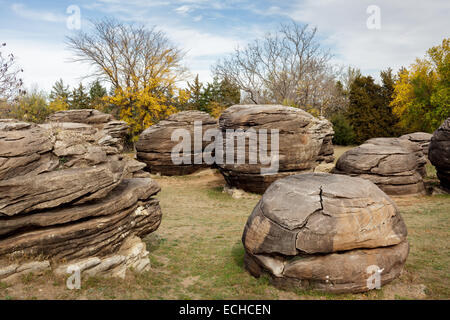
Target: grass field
column 197, row 252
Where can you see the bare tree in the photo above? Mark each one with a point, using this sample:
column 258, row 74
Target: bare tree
column 288, row 67
column 10, row 82
column 128, row 56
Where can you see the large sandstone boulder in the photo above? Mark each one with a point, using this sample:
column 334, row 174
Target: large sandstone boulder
column 155, row 144
column 395, row 165
column 103, row 127
column 439, row 153
column 304, row 142
column 87, row 116
column 64, row 197
column 421, row 138
column 323, row 231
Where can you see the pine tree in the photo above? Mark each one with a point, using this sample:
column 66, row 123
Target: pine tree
column 96, row 91
column 230, row 94
column 369, row 112
column 390, row 120
column 60, row 91
column 196, row 100
column 80, row 99
column 96, row 96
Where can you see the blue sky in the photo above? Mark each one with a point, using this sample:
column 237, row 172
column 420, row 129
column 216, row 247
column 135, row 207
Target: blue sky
column 208, row 30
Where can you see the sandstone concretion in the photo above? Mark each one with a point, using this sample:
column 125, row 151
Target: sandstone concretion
column 421, row 138
column 325, row 231
column 103, row 127
column 439, row 153
column 155, row 145
column 395, row 165
column 304, row 142
column 64, row 197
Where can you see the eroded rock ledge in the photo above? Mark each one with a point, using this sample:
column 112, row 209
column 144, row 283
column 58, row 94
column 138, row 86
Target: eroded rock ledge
column 66, row 198
column 102, row 126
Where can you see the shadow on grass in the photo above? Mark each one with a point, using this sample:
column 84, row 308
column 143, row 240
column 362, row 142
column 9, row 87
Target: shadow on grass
column 237, row 252
column 153, row 242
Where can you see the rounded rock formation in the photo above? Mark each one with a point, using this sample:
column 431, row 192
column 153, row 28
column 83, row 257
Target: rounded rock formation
column 155, row 144
column 395, row 165
column 439, row 153
column 303, row 142
column 421, row 138
column 64, row 197
column 324, row 231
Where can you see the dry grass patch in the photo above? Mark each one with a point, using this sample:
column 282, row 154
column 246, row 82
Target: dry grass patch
column 197, row 253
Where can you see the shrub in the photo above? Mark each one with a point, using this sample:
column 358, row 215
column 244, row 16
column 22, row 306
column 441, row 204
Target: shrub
column 33, row 107
column 343, row 131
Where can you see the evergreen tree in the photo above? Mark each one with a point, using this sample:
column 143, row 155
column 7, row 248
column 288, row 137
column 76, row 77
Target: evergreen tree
column 369, row 112
column 97, row 91
column 196, row 100
column 230, row 93
column 220, row 95
column 80, row 99
column 390, row 120
column 60, row 92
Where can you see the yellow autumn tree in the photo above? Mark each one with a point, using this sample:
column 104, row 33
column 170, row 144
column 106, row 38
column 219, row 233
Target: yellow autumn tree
column 421, row 96
column 32, row 106
column 143, row 107
column 141, row 65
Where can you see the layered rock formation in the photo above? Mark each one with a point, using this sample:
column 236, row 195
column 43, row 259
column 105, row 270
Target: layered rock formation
column 326, row 232
column 304, row 142
column 439, row 153
column 65, row 197
column 395, row 165
column 155, row 145
column 421, row 138
column 105, row 129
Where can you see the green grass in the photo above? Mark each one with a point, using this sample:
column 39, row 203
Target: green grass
column 197, row 253
column 429, row 258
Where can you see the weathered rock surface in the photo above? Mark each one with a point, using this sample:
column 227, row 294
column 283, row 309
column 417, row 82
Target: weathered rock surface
column 88, row 116
column 10, row 273
column 421, row 138
column 63, row 196
column 395, row 165
column 155, row 144
column 103, row 127
column 304, row 142
column 439, row 153
column 322, row 231
column 131, row 255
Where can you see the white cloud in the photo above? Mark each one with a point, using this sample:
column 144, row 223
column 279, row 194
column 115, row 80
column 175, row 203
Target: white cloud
column 183, row 10
column 45, row 63
column 202, row 48
column 27, row 13
column 199, row 43
column 408, row 29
